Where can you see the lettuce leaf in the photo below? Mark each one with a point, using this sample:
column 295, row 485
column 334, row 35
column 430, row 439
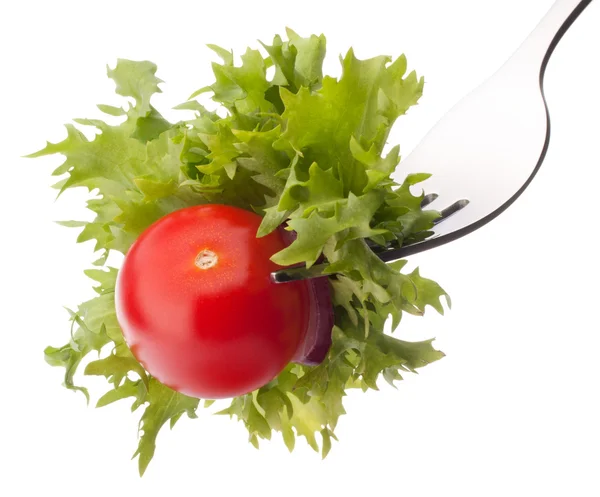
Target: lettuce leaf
column 301, row 148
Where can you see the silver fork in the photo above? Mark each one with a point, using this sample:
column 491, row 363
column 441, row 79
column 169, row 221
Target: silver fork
column 487, row 149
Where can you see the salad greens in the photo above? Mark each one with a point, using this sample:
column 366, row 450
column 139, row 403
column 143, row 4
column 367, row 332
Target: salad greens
column 300, row 147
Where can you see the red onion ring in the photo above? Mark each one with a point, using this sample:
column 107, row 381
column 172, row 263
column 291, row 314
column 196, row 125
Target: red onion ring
column 317, row 341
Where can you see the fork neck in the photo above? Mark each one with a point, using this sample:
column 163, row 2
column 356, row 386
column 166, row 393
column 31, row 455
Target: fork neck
column 537, row 49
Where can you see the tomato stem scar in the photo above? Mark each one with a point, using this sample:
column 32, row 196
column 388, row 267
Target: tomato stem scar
column 206, row 259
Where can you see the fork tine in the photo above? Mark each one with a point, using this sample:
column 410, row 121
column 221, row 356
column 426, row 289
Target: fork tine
column 444, row 214
column 427, row 199
column 390, row 252
column 451, row 210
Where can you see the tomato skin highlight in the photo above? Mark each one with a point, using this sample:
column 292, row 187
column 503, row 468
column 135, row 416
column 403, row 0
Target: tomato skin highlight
column 213, row 326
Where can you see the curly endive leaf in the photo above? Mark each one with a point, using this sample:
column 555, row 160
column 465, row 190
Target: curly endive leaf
column 300, row 148
column 164, row 405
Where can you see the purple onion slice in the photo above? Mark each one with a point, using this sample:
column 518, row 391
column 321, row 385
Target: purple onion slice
column 315, row 347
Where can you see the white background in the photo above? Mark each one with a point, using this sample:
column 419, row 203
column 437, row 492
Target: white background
column 512, row 409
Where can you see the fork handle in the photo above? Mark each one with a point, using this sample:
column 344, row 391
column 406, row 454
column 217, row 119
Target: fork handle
column 536, row 50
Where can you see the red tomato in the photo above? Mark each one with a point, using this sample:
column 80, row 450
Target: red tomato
column 197, row 306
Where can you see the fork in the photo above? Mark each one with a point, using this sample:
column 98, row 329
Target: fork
column 467, row 151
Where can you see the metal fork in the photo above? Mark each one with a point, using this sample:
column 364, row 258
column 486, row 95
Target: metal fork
column 486, row 150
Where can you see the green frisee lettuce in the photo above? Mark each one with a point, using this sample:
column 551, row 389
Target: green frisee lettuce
column 301, row 148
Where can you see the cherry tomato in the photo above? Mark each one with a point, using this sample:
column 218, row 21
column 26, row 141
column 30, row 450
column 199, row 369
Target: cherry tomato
column 197, row 306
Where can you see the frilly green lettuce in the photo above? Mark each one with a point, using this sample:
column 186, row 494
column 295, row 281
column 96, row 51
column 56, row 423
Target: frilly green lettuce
column 299, row 147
